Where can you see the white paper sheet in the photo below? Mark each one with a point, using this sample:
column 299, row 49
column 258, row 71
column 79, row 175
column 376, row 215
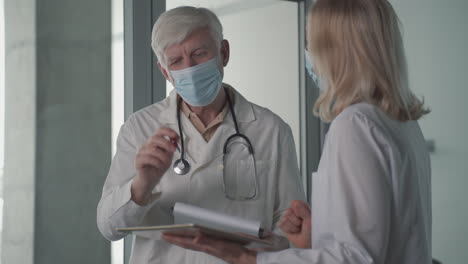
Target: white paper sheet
column 185, row 213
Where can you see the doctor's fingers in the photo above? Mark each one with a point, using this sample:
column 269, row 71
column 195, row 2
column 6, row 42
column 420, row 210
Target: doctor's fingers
column 149, row 161
column 290, row 222
column 163, row 156
column 146, row 161
column 162, row 143
column 292, row 217
column 301, row 209
column 214, row 247
column 288, row 227
column 228, row 251
column 167, row 132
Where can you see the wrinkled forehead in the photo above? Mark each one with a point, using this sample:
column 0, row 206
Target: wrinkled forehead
column 199, row 38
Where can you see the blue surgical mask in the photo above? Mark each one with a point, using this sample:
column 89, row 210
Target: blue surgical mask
column 198, row 85
column 320, row 82
column 308, row 65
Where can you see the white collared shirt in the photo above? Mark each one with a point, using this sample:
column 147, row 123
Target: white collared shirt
column 371, row 195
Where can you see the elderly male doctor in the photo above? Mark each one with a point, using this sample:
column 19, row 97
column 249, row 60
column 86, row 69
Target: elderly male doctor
column 255, row 176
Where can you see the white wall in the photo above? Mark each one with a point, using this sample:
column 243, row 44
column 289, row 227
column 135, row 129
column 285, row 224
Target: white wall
column 2, row 113
column 20, row 100
column 264, row 63
column 436, row 39
column 2, row 86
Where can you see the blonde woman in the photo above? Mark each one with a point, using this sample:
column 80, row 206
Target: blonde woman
column 371, row 195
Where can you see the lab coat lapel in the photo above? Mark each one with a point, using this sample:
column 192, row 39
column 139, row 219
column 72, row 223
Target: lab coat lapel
column 168, row 113
column 214, row 148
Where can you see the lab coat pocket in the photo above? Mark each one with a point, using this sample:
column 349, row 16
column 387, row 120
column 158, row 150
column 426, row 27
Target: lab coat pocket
column 258, row 184
column 243, row 182
column 243, row 185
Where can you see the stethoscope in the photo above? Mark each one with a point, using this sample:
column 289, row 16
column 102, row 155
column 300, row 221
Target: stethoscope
column 182, row 166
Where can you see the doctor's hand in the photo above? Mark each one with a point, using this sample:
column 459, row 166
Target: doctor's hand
column 230, row 252
column 152, row 161
column 296, row 224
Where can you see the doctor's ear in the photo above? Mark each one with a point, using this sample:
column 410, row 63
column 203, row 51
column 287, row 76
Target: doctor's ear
column 225, row 51
column 163, row 71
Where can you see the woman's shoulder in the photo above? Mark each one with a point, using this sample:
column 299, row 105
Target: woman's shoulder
column 362, row 122
column 357, row 115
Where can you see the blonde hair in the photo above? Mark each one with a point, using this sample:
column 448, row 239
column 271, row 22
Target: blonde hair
column 357, row 51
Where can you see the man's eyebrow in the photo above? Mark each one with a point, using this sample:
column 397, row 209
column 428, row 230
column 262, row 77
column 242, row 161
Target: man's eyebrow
column 171, row 58
column 203, row 46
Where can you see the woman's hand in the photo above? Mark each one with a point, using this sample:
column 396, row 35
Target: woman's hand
column 296, row 224
column 229, row 252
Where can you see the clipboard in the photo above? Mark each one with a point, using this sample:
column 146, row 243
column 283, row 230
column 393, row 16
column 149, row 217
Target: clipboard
column 191, row 230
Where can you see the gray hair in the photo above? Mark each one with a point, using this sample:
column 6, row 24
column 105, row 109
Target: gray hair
column 175, row 25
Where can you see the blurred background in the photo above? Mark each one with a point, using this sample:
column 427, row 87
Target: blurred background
column 72, row 71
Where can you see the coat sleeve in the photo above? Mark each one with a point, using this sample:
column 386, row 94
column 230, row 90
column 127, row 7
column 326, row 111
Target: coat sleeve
column 351, row 200
column 116, row 209
column 289, row 186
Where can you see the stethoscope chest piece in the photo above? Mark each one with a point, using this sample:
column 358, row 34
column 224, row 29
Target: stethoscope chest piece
column 181, row 166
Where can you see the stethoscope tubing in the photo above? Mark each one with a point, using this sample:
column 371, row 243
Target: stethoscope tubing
column 185, row 164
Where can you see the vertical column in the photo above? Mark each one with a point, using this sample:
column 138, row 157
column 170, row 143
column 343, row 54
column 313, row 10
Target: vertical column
column 20, row 128
column 58, row 129
column 73, row 129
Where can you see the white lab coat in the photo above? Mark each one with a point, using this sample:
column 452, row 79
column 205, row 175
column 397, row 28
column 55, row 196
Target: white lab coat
column 371, row 195
column 277, row 174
